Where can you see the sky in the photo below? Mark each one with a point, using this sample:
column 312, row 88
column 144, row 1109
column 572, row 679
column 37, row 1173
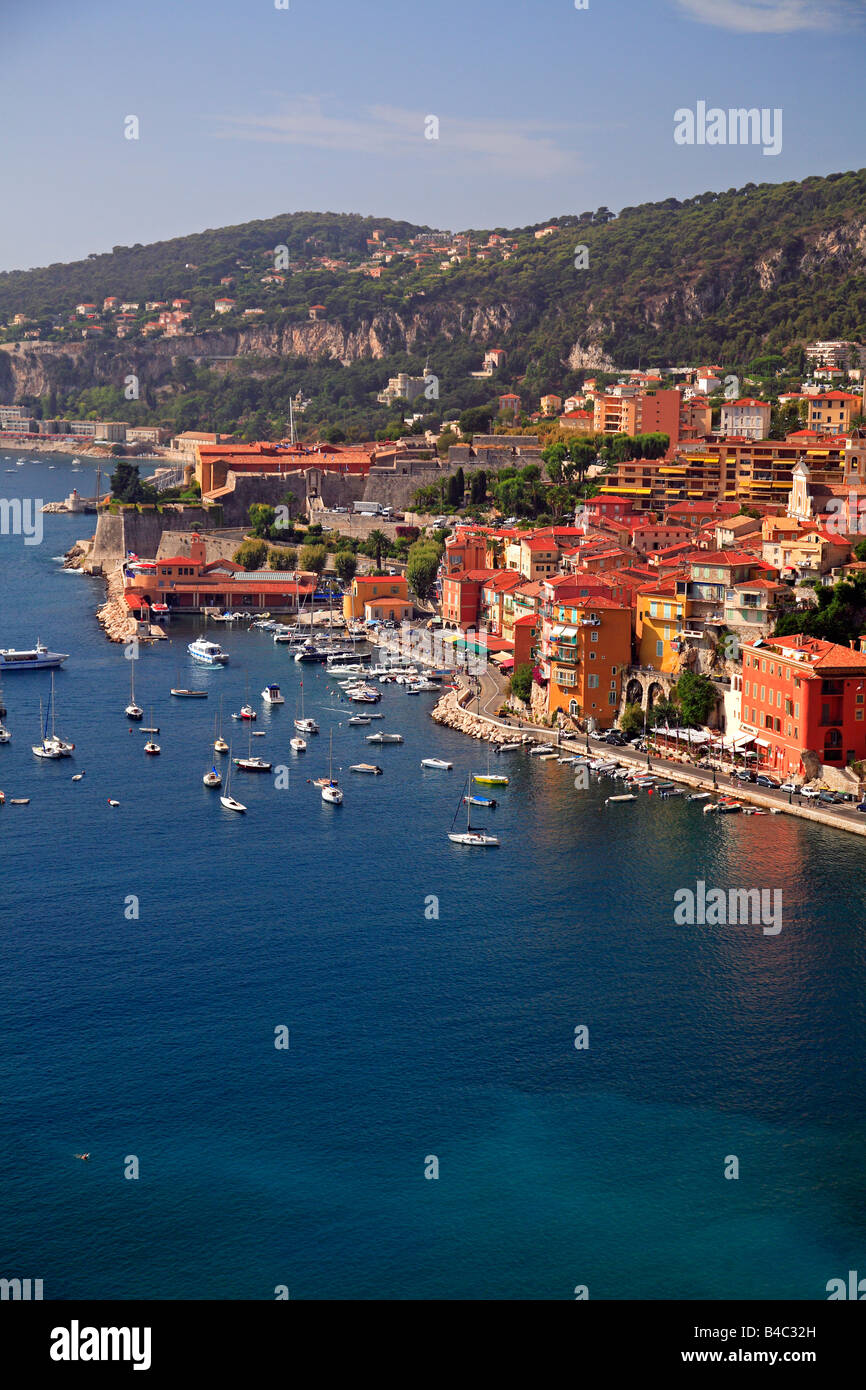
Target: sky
column 246, row 109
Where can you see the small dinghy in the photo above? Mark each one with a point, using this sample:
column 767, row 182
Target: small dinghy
column 372, row 768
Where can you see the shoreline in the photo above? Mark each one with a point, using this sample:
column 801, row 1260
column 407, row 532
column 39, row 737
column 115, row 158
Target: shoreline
column 449, row 712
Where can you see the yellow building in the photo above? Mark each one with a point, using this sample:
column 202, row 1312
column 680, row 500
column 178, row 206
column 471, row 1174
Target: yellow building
column 661, row 622
column 365, row 588
column 830, row 413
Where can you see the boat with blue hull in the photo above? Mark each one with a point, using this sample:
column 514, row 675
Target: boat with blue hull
column 209, row 653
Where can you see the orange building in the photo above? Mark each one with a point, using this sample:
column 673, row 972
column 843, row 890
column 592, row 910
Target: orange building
column 368, row 587
column 585, row 650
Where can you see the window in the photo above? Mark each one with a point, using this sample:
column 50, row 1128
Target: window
column 592, row 656
column 763, row 695
column 858, row 714
column 653, row 608
column 747, row 688
column 611, row 699
column 778, row 699
column 612, row 672
column 660, row 648
column 592, row 682
column 593, row 637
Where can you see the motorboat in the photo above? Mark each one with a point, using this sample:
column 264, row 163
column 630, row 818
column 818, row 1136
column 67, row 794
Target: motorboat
column 245, row 712
column 190, row 694
column 626, row 796
column 437, row 763
column 5, row 736
column 489, row 801
column 699, row 796
column 272, row 696
column 384, row 738
column 37, row 658
column 209, row 653
column 298, row 744
column 367, row 767
column 358, row 720
column 507, row 747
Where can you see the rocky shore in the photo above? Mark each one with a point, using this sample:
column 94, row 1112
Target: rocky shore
column 449, row 711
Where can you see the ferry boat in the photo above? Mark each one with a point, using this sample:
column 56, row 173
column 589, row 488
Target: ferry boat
column 37, row 658
column 210, row 653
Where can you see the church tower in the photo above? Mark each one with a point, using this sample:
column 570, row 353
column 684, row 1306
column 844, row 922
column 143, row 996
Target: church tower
column 799, row 502
column 854, row 461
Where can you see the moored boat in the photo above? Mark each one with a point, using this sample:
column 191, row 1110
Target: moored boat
column 372, row 768
column 437, row 763
column 209, row 653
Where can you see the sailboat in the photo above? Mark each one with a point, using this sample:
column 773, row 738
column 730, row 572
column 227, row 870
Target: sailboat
column 212, row 778
column 133, row 711
column 152, row 747
column 472, row 835
column 65, row 749
column 305, row 726
column 249, row 763
column 330, row 791
column 230, row 802
column 246, row 709
column 47, row 748
column 490, row 779
column 219, row 743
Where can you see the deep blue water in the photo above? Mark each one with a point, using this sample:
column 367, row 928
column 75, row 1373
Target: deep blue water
column 410, row 1036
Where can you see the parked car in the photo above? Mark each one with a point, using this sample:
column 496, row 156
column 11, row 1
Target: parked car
column 811, row 793
column 861, row 806
column 790, row 787
column 743, row 774
column 764, row 781
column 614, row 737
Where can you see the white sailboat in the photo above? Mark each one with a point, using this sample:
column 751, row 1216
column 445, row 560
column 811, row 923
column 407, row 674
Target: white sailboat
column 230, row 802
column 219, row 743
column 472, row 836
column 47, row 748
column 213, row 778
column 133, row 711
column 151, row 746
column 305, row 726
column 330, row 791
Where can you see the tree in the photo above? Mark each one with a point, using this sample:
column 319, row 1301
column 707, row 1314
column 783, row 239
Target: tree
column 126, row 484
column 313, row 557
column 283, row 558
column 251, row 555
column 422, row 567
column 262, row 518
column 632, row 720
column 521, row 682
column 346, row 565
column 697, row 696
column 476, row 420
column 860, row 550
column 378, row 543
column 478, row 487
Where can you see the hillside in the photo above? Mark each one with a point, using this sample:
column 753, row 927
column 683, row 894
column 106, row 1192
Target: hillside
column 729, row 278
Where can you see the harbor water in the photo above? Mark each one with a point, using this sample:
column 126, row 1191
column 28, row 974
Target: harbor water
column 152, row 955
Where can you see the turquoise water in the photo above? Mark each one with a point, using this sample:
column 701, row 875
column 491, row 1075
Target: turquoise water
column 410, row 1035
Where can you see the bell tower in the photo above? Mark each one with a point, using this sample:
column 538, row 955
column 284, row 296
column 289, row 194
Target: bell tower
column 854, row 462
column 799, row 501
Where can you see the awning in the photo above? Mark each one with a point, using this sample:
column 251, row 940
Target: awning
column 505, row 663
column 762, row 743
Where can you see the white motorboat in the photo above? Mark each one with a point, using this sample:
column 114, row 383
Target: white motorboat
column 359, row 720
column 245, row 712
column 272, row 696
column 372, row 768
column 5, row 736
column 209, row 653
column 384, row 738
column 699, row 796
column 37, row 658
column 437, row 763
column 298, row 744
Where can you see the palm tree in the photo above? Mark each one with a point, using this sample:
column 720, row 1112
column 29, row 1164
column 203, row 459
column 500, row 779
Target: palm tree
column 379, row 542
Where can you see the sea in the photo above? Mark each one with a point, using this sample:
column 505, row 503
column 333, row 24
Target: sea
column 322, row 1051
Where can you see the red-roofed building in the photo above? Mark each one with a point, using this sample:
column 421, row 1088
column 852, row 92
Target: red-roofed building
column 189, row 583
column 832, row 411
column 804, row 700
column 461, row 596
column 585, row 650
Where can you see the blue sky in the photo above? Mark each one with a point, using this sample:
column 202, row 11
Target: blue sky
column 246, row 110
